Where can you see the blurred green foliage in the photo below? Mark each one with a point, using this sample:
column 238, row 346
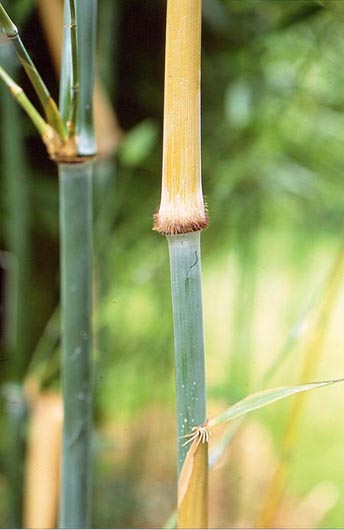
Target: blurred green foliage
column 20, row 9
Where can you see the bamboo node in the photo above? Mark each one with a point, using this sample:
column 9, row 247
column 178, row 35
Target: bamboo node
column 52, row 141
column 63, row 151
column 12, row 36
column 169, row 226
column 201, row 433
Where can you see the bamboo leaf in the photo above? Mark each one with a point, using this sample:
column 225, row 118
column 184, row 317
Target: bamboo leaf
column 218, row 451
column 264, row 398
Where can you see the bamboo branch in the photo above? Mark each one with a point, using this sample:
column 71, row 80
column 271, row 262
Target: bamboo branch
column 107, row 129
column 48, row 104
column 49, row 136
column 75, row 73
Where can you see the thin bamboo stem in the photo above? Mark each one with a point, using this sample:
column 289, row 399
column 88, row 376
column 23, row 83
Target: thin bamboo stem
column 75, row 73
column 23, row 101
column 48, row 104
column 86, row 27
column 48, row 134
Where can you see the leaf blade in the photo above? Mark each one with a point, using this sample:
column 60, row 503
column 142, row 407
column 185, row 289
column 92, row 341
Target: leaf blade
column 266, row 397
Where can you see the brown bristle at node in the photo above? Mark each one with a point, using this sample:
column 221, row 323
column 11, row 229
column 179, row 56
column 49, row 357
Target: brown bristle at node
column 174, row 227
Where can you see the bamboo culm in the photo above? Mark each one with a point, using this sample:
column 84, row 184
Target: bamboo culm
column 75, row 182
column 75, row 185
column 185, row 266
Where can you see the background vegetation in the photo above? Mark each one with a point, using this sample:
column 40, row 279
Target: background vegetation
column 273, row 163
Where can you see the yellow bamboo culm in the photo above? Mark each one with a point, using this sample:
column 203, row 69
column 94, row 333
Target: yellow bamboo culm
column 182, row 207
column 42, row 474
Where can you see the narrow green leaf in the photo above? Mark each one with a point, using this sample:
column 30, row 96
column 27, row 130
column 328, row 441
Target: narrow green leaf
column 261, row 399
column 218, row 451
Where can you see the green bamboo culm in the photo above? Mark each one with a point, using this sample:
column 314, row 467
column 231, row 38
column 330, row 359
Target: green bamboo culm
column 75, row 184
column 186, row 286
column 77, row 83
column 74, row 156
column 181, row 217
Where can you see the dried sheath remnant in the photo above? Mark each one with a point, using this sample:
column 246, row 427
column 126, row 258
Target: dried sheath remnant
column 182, row 207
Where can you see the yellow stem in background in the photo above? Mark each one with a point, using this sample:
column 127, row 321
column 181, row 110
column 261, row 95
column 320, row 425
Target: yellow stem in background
column 43, row 462
column 107, row 129
column 314, row 346
column 182, row 207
